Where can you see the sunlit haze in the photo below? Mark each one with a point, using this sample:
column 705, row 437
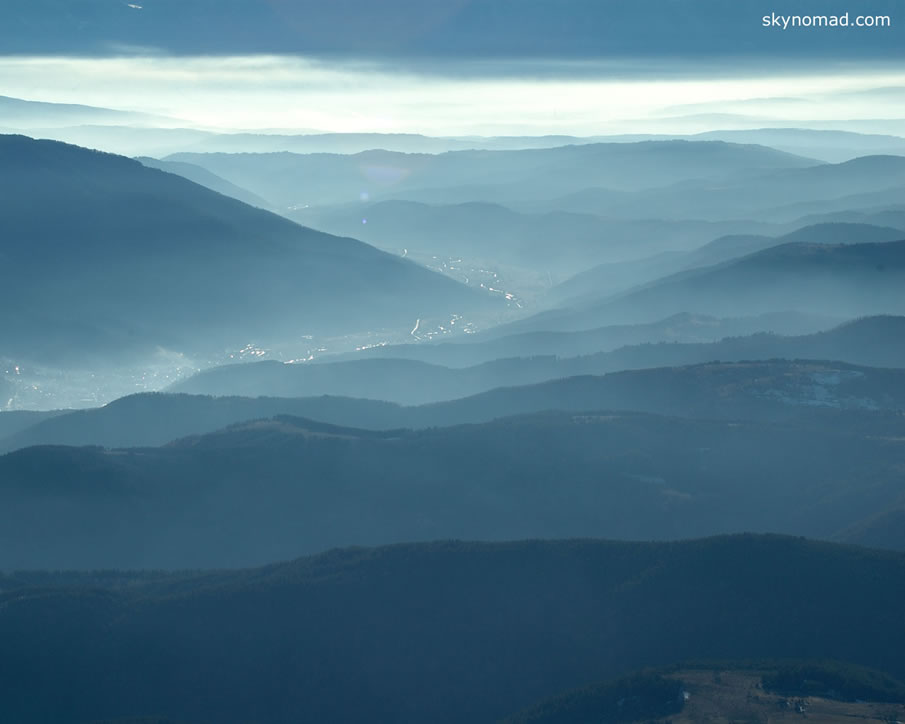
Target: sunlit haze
column 452, row 361
column 581, row 98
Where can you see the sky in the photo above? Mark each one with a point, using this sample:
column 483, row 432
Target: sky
column 457, row 67
column 419, row 30
column 582, row 98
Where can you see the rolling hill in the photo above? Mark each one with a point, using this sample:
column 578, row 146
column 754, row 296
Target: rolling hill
column 103, row 254
column 298, row 180
column 613, row 278
column 203, row 177
column 873, row 341
column 766, row 390
column 685, row 328
column 555, row 242
column 204, row 501
column 843, row 280
column 442, row 632
column 892, row 215
column 406, row 382
column 153, row 419
column 832, row 146
column 14, row 421
column 812, row 392
column 123, row 140
column 774, row 196
column 865, row 202
column 17, row 112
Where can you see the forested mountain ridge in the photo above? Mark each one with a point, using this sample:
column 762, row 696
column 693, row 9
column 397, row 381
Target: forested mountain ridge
column 681, row 328
column 844, row 280
column 442, row 631
column 173, row 264
column 202, row 501
column 615, row 278
column 872, row 341
column 288, row 180
column 768, row 390
column 758, row 690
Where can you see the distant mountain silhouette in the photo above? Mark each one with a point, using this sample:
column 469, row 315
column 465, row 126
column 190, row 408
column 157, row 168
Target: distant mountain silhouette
column 777, row 196
column 893, row 216
column 841, row 233
column 296, row 180
column 153, row 419
column 831, row 146
column 874, row 342
column 813, row 392
column 556, row 242
column 593, row 472
column 613, row 278
column 161, row 141
column 846, row 280
column 827, row 145
column 396, row 380
column 19, row 113
column 843, row 280
column 102, row 253
column 884, row 530
column 359, row 142
column 866, row 202
column 14, row 421
column 763, row 390
column 493, row 344
column 124, row 140
column 443, row 632
column 203, row 177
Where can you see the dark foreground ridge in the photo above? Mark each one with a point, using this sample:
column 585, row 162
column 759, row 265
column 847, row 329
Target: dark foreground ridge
column 741, row 691
column 443, row 632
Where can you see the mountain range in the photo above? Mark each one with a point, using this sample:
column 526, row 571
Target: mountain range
column 291, row 180
column 166, row 258
column 136, row 134
column 843, row 280
column 461, row 361
column 874, row 341
column 775, row 390
column 612, row 278
column 205, row 178
column 17, row 112
column 487, row 345
column 801, row 448
column 772, row 196
column 555, row 243
column 442, row 632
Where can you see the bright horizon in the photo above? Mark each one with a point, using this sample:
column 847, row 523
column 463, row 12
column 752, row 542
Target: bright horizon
column 267, row 92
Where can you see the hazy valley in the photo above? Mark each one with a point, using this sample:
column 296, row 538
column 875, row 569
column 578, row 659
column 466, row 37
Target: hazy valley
column 461, row 361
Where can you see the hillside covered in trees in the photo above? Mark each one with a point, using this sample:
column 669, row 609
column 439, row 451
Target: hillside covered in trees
column 440, row 632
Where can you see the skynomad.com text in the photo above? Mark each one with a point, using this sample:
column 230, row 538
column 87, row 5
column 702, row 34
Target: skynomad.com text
column 846, row 20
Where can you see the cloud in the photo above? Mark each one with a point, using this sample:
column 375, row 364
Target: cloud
column 418, row 32
column 292, row 92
